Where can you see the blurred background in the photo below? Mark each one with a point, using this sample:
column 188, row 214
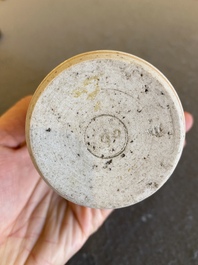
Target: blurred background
column 38, row 35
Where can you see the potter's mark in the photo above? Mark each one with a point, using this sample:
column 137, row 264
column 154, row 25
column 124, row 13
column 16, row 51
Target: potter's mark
column 108, row 136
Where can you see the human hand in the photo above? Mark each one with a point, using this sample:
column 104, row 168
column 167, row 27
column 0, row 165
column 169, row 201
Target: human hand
column 37, row 226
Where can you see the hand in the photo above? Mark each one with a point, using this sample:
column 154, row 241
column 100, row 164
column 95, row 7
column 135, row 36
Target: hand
column 37, row 226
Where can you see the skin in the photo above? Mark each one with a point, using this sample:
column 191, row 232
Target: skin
column 37, row 226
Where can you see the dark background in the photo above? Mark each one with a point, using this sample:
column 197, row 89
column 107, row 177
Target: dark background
column 38, row 35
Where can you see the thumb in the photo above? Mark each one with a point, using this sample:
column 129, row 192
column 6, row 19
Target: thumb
column 12, row 124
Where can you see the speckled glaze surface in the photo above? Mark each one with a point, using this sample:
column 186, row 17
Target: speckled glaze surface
column 105, row 129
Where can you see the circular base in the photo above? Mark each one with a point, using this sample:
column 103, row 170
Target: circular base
column 105, row 129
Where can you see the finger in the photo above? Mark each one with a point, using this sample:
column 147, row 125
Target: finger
column 189, row 120
column 12, row 124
